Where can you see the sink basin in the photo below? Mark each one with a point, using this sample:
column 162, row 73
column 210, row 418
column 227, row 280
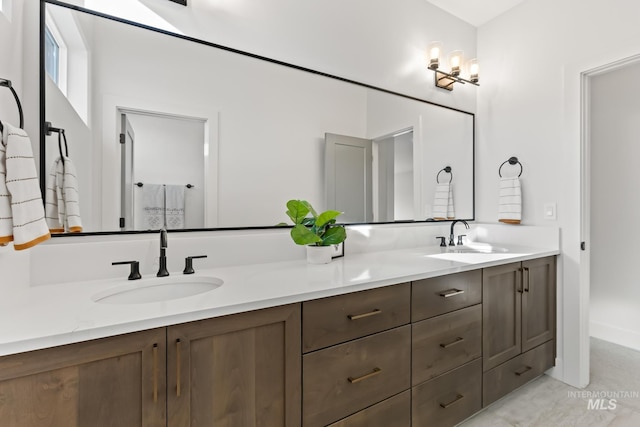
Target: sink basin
column 157, row 289
column 478, row 248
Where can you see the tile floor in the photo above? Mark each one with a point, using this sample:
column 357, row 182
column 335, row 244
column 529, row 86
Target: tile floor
column 546, row 402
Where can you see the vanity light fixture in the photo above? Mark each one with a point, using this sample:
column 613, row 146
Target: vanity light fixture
column 446, row 80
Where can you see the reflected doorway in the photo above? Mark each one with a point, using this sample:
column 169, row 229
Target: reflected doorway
column 162, row 170
column 393, row 177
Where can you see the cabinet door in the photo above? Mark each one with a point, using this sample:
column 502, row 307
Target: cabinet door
column 241, row 370
column 501, row 313
column 538, row 302
column 116, row 381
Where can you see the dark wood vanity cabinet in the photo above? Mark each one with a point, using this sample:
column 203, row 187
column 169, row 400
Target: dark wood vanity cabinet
column 117, row 381
column 446, row 349
column 357, row 358
column 240, row 370
column 519, row 312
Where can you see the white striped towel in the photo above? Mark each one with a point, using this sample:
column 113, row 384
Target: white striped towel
column 443, row 202
column 63, row 198
column 510, row 201
column 21, row 208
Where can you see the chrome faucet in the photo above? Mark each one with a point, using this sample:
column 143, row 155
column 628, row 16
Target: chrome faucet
column 162, row 272
column 451, row 236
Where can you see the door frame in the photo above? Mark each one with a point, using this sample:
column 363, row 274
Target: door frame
column 574, row 272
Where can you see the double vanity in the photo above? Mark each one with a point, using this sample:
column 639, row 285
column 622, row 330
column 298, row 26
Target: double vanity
column 397, row 337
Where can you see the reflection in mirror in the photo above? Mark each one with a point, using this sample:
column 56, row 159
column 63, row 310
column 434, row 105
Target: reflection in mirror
column 259, row 131
column 162, row 171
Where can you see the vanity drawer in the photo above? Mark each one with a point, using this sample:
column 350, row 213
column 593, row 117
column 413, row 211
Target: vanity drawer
column 393, row 412
column 449, row 398
column 333, row 320
column 439, row 295
column 520, row 370
column 445, row 342
column 341, row 380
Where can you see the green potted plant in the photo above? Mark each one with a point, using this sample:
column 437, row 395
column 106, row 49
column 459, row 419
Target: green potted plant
column 317, row 231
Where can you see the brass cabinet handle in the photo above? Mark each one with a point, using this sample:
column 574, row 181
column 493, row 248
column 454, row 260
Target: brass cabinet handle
column 363, row 315
column 155, row 373
column 375, row 372
column 456, row 400
column 178, row 345
column 526, row 287
column 523, row 371
column 451, row 293
column 454, row 342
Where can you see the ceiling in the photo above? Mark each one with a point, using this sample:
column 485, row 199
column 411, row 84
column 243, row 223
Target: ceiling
column 476, row 12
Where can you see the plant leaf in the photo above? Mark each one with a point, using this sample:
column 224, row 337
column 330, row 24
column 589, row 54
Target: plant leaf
column 334, row 235
column 297, row 210
column 325, row 217
column 301, row 235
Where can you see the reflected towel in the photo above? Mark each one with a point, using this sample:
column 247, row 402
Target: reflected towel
column 21, row 208
column 510, row 201
column 63, row 198
column 175, row 206
column 153, row 206
column 443, row 202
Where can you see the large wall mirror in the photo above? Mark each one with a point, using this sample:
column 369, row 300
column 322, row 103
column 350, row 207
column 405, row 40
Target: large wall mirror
column 164, row 130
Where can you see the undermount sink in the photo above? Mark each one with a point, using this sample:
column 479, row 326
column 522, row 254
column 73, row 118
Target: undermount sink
column 477, row 248
column 157, row 289
column 474, row 253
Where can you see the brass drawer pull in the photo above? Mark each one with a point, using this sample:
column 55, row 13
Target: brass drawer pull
column 523, row 371
column 363, row 315
column 155, row 373
column 375, row 372
column 454, row 342
column 451, row 293
column 454, row 401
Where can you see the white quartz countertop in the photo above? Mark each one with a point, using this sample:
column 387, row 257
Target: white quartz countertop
column 51, row 315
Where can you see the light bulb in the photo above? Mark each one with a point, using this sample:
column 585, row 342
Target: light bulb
column 434, row 55
column 474, row 70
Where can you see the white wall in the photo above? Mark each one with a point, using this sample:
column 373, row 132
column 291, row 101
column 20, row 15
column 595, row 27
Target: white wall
column 615, row 204
column 11, row 63
column 529, row 106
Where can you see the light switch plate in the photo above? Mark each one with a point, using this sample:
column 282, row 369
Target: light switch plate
column 550, row 211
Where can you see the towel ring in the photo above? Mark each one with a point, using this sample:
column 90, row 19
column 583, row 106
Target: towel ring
column 7, row 83
column 446, row 169
column 512, row 161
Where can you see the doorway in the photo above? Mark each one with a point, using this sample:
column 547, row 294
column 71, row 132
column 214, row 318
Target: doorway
column 161, row 150
column 613, row 147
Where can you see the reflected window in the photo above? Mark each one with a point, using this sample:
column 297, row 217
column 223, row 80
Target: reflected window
column 52, row 57
column 67, row 60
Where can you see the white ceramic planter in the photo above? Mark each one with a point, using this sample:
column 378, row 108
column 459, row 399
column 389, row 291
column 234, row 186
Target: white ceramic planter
column 319, row 254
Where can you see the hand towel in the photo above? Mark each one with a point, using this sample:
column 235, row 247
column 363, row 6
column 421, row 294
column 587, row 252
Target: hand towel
column 443, row 202
column 510, row 201
column 62, row 205
column 21, row 208
column 153, row 206
column 175, row 206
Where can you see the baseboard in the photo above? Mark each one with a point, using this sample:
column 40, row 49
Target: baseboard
column 614, row 334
